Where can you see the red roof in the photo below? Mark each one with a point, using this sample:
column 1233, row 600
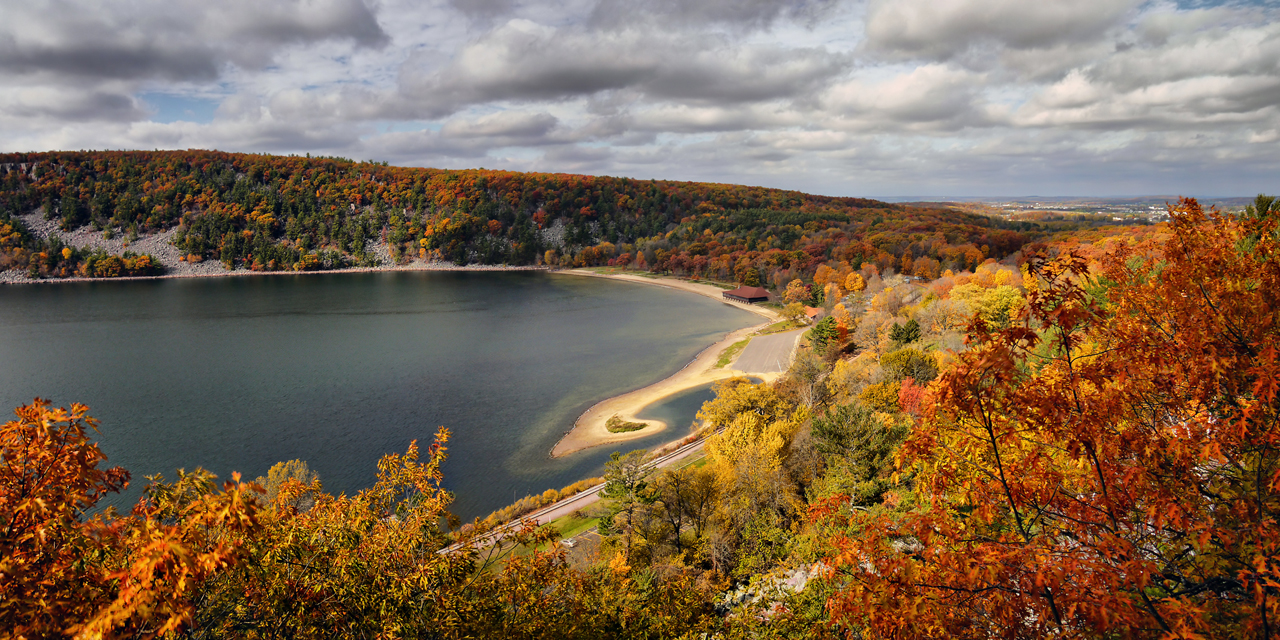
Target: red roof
column 749, row 292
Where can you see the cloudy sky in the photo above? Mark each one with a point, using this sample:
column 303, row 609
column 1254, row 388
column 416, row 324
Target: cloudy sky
column 840, row 97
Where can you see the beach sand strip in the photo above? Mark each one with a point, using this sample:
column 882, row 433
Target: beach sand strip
column 590, row 430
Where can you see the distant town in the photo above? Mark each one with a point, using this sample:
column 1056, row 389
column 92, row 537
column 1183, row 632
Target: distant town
column 1132, row 210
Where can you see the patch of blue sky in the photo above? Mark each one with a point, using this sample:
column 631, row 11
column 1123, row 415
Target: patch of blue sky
column 404, row 126
column 514, row 154
column 676, row 138
column 175, row 108
column 1207, row 4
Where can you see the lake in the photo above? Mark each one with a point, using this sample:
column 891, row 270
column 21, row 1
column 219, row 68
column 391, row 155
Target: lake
column 235, row 374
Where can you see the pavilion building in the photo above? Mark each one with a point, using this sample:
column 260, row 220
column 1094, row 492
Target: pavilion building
column 748, row 295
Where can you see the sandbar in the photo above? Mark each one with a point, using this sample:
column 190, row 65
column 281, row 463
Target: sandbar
column 590, row 431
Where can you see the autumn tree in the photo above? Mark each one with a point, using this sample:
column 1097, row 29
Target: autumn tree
column 50, row 478
column 796, row 291
column 855, row 283
column 1106, row 466
column 909, row 363
column 793, row 312
column 63, row 571
column 282, row 473
column 352, row 565
column 688, row 497
column 626, row 484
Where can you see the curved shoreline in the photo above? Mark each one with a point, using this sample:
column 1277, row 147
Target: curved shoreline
column 589, row 429
column 237, row 273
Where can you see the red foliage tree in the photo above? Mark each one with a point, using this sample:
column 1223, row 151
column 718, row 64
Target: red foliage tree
column 1109, row 466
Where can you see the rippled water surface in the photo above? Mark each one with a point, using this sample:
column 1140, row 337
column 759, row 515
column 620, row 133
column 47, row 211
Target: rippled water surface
column 339, row 369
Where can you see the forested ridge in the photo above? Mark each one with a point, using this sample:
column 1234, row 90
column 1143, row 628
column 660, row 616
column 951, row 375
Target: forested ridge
column 1079, row 443
column 272, row 213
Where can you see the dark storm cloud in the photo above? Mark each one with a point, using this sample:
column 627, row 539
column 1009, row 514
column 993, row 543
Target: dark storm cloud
column 46, row 102
column 114, row 60
column 524, row 61
column 942, row 29
column 172, row 39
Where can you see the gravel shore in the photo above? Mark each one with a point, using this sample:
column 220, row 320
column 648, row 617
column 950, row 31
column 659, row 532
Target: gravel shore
column 160, row 246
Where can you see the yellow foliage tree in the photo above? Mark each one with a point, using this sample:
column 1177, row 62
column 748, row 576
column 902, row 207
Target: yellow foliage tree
column 848, row 375
column 844, row 319
column 1007, row 278
column 855, row 283
column 995, row 306
column 739, row 395
column 887, row 301
column 796, row 291
column 881, row 397
column 823, row 275
column 755, row 419
column 832, row 292
column 284, row 472
column 793, row 311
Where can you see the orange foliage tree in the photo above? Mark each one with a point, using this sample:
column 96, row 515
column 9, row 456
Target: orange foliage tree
column 64, row 572
column 49, row 477
column 196, row 561
column 1109, row 466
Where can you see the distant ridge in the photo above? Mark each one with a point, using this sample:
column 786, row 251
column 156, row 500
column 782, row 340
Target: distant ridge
column 272, row 213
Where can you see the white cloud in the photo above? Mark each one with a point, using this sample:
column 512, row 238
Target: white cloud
column 940, row 29
column 834, row 96
column 170, row 39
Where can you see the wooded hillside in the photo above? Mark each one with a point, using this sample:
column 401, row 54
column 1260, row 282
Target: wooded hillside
column 301, row 213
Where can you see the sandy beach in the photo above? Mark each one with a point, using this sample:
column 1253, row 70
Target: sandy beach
column 683, row 285
column 590, row 431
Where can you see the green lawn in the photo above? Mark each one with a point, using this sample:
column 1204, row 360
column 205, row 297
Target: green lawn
column 570, row 526
column 618, row 425
column 730, row 353
column 785, row 325
column 721, row 285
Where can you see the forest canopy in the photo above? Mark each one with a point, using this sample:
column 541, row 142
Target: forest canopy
column 1074, row 447
column 272, row 213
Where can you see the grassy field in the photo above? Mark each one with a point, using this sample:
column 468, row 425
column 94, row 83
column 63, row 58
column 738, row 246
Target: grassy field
column 618, row 425
column 720, row 285
column 570, row 525
column 779, row 327
column 613, row 271
column 732, row 352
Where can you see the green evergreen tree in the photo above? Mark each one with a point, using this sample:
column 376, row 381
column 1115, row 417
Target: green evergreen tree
column 860, row 448
column 905, row 333
column 824, row 334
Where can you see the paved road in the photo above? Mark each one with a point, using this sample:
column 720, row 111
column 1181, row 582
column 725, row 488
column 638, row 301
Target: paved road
column 768, row 354
column 574, row 503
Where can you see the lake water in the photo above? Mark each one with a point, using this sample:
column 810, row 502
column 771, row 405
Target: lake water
column 339, row 369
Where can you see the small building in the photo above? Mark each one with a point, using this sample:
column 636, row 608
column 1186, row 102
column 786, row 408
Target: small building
column 748, row 295
column 812, row 313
